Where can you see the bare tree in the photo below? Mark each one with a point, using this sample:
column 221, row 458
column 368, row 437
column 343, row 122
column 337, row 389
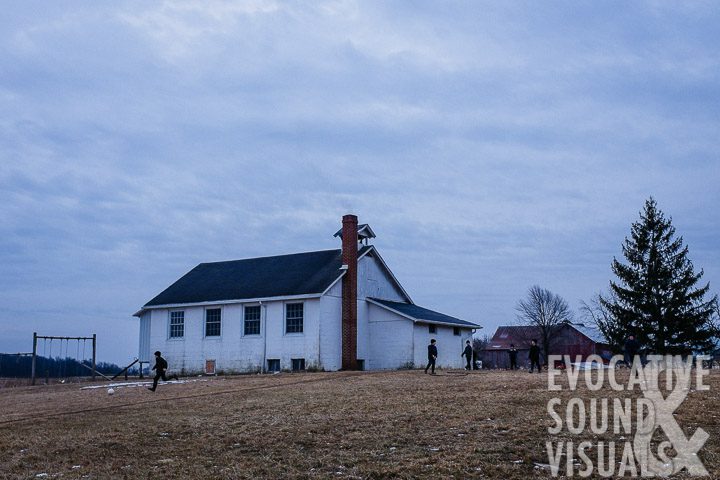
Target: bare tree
column 480, row 343
column 546, row 311
column 598, row 313
column 715, row 325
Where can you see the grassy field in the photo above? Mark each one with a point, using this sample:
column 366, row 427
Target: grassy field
column 404, row 424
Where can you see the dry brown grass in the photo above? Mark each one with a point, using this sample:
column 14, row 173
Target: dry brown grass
column 323, row 425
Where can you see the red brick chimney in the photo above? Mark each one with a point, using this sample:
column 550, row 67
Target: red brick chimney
column 349, row 292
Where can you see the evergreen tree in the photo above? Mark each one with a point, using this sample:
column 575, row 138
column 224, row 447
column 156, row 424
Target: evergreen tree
column 656, row 297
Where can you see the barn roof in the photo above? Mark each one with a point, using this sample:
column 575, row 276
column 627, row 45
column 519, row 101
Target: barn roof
column 521, row 335
column 265, row 277
column 420, row 314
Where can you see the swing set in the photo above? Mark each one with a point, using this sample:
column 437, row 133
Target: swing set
column 64, row 341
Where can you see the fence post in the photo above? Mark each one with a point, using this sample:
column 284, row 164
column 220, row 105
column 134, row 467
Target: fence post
column 94, row 346
column 32, row 374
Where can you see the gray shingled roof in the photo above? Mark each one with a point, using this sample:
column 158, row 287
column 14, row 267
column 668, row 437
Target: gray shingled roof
column 266, row 277
column 423, row 314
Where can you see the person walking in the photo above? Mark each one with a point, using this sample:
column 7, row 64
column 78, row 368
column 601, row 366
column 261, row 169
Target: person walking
column 534, row 356
column 632, row 347
column 160, row 368
column 467, row 353
column 432, row 356
column 513, row 357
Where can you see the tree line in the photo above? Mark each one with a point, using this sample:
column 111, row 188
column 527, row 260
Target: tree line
column 17, row 366
column 657, row 296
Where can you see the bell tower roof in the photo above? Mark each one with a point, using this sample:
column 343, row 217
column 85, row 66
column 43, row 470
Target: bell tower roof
column 364, row 233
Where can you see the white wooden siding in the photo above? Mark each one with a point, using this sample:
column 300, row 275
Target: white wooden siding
column 390, row 339
column 232, row 351
column 145, row 354
column 374, row 281
column 331, row 330
column 449, row 345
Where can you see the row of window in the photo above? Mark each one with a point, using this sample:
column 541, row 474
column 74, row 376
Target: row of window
column 213, row 321
column 433, row 329
column 294, row 316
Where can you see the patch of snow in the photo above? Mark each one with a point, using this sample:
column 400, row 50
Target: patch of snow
column 137, row 384
column 589, row 366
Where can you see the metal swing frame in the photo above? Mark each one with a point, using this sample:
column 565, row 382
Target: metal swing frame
column 44, row 337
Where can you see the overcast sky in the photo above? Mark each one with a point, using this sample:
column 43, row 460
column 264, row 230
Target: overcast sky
column 491, row 146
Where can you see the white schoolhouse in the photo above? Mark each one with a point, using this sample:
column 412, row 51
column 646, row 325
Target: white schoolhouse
column 330, row 309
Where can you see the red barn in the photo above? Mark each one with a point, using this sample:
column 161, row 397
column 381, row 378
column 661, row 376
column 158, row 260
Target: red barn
column 571, row 339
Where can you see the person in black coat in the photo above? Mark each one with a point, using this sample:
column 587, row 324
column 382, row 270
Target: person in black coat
column 160, row 367
column 513, row 357
column 432, row 356
column 534, row 356
column 467, row 353
column 632, row 347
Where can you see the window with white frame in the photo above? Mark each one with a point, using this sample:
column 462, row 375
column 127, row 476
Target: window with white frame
column 294, row 318
column 252, row 320
column 212, row 322
column 177, row 324
column 298, row 364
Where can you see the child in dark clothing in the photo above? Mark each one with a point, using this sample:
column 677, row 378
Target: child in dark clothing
column 467, row 353
column 513, row 352
column 534, row 355
column 160, row 367
column 432, row 356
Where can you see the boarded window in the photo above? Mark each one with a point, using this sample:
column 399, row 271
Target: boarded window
column 210, row 367
column 298, row 364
